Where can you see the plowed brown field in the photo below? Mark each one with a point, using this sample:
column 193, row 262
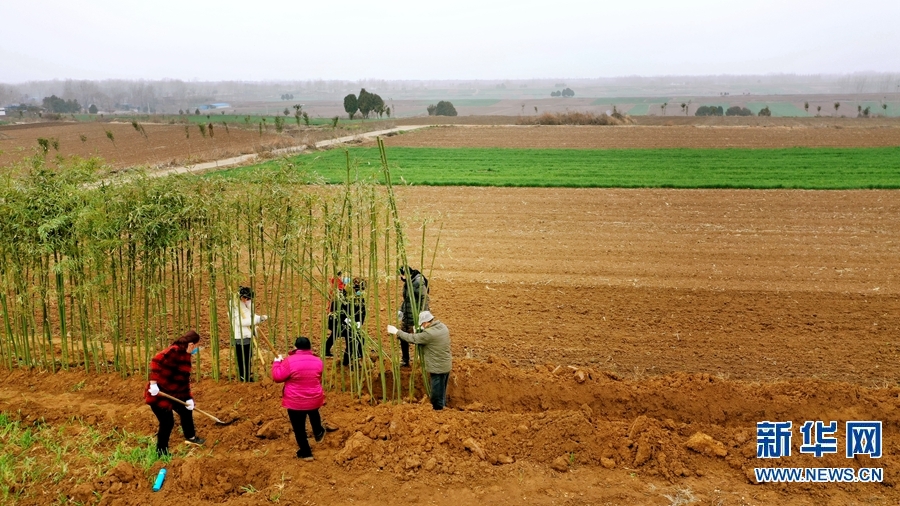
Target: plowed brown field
column 612, row 347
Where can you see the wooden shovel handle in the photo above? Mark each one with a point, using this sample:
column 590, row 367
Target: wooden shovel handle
column 179, row 401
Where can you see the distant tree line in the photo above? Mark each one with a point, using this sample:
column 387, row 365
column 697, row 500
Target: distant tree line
column 567, row 92
column 58, row 105
column 287, row 96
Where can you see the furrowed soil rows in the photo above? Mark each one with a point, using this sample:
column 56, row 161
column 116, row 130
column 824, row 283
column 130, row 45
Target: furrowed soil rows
column 612, row 347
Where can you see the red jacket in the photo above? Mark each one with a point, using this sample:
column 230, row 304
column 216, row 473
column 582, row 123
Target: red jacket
column 301, row 373
column 171, row 370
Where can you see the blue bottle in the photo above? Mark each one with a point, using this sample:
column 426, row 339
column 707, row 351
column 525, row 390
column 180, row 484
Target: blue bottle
column 159, row 480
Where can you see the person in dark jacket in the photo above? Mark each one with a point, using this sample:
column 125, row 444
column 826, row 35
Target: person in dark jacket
column 170, row 372
column 336, row 296
column 353, row 317
column 301, row 373
column 415, row 300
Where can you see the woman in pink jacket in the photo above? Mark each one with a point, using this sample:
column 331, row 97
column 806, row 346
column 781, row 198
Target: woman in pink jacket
column 301, row 373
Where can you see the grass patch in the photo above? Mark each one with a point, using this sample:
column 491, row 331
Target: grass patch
column 473, row 102
column 37, row 453
column 630, row 100
column 778, row 109
column 801, row 168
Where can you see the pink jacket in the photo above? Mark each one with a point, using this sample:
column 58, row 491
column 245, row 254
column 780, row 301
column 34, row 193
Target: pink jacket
column 301, row 373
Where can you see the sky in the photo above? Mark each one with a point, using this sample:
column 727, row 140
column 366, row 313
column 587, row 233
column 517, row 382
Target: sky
column 266, row 40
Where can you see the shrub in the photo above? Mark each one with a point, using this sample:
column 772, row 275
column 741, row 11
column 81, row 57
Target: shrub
column 765, row 111
column 444, row 108
column 709, row 110
column 737, row 110
column 431, row 108
column 576, row 118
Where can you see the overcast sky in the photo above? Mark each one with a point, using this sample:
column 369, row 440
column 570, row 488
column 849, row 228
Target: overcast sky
column 465, row 39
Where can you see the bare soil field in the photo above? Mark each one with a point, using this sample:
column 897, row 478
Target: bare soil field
column 165, row 145
column 611, row 347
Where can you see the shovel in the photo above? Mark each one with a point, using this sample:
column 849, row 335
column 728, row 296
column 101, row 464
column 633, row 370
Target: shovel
column 179, row 401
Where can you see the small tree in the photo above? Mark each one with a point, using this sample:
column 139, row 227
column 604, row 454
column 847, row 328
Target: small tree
column 287, row 111
column 431, row 108
column 765, row 111
column 364, row 101
column 684, row 108
column 334, row 122
column 837, row 105
column 305, row 118
column 197, row 112
column 663, row 107
column 818, row 110
column 92, row 109
column 884, row 106
column 351, row 105
column 297, row 108
column 806, row 107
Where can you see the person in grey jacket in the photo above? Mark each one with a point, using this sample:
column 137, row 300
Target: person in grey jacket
column 435, row 341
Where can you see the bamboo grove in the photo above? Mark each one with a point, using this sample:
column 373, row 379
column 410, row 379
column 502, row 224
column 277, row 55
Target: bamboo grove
column 102, row 275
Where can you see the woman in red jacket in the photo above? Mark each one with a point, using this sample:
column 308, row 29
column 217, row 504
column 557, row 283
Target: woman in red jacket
column 301, row 373
column 170, row 372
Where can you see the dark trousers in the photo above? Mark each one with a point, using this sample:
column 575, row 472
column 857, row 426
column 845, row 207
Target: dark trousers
column 404, row 346
column 353, row 347
column 167, row 423
column 439, row 390
column 244, row 353
column 334, row 326
column 298, row 422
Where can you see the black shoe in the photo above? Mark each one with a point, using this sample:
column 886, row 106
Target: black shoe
column 304, row 456
column 196, row 440
column 404, row 364
column 320, row 437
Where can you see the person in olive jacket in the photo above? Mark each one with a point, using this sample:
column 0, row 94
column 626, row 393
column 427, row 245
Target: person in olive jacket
column 435, row 341
column 301, row 373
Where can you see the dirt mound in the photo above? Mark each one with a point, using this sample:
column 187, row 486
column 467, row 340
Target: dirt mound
column 647, row 439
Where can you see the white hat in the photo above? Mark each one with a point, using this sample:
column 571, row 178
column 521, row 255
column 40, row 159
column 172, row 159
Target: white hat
column 425, row 317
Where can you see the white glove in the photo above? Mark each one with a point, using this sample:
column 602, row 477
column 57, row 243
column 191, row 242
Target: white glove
column 399, row 316
column 190, row 404
column 263, row 318
column 279, row 358
column 347, row 321
column 392, row 330
column 358, row 324
column 154, row 389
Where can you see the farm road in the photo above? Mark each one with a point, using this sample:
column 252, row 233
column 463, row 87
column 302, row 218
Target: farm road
column 252, row 157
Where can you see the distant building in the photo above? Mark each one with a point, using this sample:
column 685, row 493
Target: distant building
column 2, row 111
column 217, row 105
